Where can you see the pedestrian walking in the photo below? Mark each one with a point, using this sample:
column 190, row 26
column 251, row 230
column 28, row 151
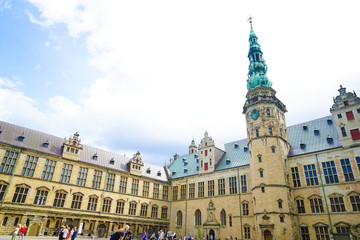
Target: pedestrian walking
column 74, row 234
column 16, row 232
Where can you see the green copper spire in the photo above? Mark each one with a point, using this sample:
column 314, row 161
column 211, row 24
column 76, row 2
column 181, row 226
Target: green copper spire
column 257, row 69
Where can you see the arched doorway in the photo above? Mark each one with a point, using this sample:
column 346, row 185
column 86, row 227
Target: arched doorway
column 267, row 235
column 211, row 233
column 34, row 230
column 101, row 230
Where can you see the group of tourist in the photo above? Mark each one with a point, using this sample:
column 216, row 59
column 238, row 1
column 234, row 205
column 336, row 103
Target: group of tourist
column 66, row 233
column 160, row 235
column 19, row 231
column 122, row 234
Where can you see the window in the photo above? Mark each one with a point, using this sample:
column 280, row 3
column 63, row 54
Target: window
column 355, row 202
column 280, row 203
column 211, row 192
column 259, row 157
column 97, row 179
column 146, row 187
column 343, row 229
column 40, row 197
column 310, row 175
column 232, row 185
column 206, row 166
column 17, row 221
column 106, row 205
column 339, row 116
column 300, row 206
column 230, row 221
column 143, row 210
column 268, row 113
column 20, row 194
column 110, row 180
column 183, row 192
column 358, row 110
column 337, row 204
column 273, row 149
column 221, row 186
column 346, row 166
column 77, row 199
column 59, row 199
column 175, row 192
column 261, row 173
column 206, row 153
column 123, row 183
column 304, row 233
column 247, row 232
column 316, row 205
column 243, row 184
column 257, row 133
column 270, row 132
column 245, row 207
column 263, row 189
column 330, row 172
column 322, row 233
column 29, row 166
column 2, row 191
column 346, row 103
column 154, row 211
column 223, row 217
column 120, row 207
column 66, row 173
column 92, row 203
column 48, row 171
column 281, row 218
column 191, row 190
column 179, row 218
column 8, row 162
column 165, row 193
column 355, row 134
column 134, row 187
column 164, row 212
column 81, row 179
column 201, row 189
column 350, row 115
column 5, row 221
column 358, row 162
column 156, row 191
column 295, row 176
column 343, row 132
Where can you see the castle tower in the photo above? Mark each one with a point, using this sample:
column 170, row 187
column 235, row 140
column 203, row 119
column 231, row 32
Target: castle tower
column 268, row 147
column 192, row 147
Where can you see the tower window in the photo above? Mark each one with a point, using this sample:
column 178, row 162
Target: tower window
column 257, row 132
column 210, row 161
column 350, row 115
column 343, row 132
column 262, row 189
column 206, row 153
column 280, row 204
column 259, row 157
column 270, row 132
column 346, row 103
column 268, row 113
column 339, row 116
column 205, row 144
column 281, row 218
column 273, row 150
column 261, row 174
column 358, row 110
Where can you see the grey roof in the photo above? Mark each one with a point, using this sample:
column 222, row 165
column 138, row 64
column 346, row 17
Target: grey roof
column 34, row 140
column 236, row 156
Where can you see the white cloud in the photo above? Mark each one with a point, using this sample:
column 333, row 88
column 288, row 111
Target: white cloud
column 175, row 69
column 4, row 4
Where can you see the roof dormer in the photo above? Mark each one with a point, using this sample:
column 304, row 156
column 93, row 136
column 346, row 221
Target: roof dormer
column 136, row 164
column 72, row 147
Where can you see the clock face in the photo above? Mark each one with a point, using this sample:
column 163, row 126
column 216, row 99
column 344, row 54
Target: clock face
column 254, row 114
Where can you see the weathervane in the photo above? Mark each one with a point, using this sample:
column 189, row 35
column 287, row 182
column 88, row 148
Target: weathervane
column 250, row 21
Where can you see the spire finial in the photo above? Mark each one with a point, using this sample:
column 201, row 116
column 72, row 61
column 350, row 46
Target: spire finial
column 250, row 21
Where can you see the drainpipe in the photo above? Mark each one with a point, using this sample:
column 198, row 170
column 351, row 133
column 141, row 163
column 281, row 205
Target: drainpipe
column 322, row 186
column 102, row 205
column 241, row 225
column 185, row 204
column 12, row 175
column 170, row 204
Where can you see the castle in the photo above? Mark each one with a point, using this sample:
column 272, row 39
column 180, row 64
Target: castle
column 297, row 182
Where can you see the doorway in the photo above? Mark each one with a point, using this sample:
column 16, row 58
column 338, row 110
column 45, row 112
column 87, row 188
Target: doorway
column 211, row 234
column 267, row 235
column 34, row 230
column 101, row 230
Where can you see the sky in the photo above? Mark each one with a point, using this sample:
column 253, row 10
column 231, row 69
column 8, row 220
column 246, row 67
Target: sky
column 150, row 76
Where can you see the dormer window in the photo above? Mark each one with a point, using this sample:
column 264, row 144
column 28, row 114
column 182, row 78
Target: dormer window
column 95, row 156
column 329, row 140
column 45, row 144
column 305, row 127
column 197, row 160
column 246, row 149
column 195, row 156
column 185, row 163
column 21, row 138
column 329, row 121
column 236, row 145
column 302, row 145
column 148, row 171
column 158, row 174
column 316, row 132
column 185, row 170
column 184, row 159
column 112, row 161
column 228, row 161
column 173, row 173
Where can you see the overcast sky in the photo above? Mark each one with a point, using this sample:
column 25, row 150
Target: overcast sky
column 152, row 75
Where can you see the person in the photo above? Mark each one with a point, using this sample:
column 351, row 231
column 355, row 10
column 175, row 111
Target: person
column 157, row 235
column 68, row 232
column 143, row 236
column 65, row 232
column 71, row 232
column 211, row 237
column 231, row 237
column 15, row 232
column 74, row 234
column 161, row 235
column 22, row 232
column 189, row 237
column 152, row 236
column 61, row 232
column 119, row 234
column 174, row 235
column 128, row 235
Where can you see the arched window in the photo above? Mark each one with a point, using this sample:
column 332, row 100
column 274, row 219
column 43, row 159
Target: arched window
column 223, row 217
column 16, row 221
column 4, row 221
column 179, row 218
column 57, row 224
column 197, row 218
column 48, row 223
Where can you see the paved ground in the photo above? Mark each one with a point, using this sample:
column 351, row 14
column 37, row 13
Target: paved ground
column 8, row 237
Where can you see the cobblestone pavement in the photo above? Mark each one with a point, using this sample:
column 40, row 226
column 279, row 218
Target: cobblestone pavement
column 8, row 237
